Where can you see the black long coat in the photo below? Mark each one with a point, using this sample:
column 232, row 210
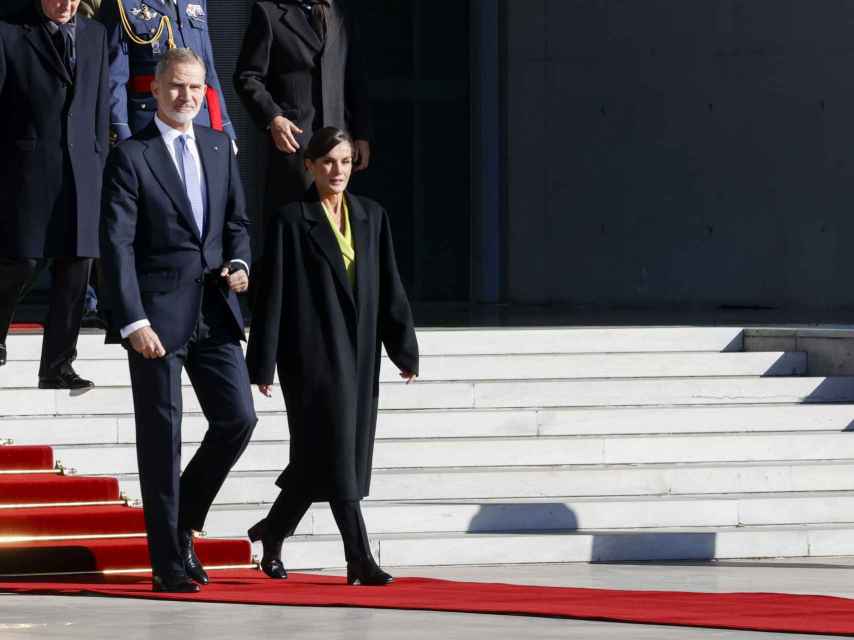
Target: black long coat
column 53, row 139
column 285, row 69
column 325, row 340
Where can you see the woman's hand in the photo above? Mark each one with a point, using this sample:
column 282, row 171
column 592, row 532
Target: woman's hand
column 284, row 134
column 266, row 390
column 408, row 376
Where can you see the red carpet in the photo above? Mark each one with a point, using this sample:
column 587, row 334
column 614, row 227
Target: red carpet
column 99, row 533
column 42, row 489
column 106, row 554
column 25, row 458
column 745, row 611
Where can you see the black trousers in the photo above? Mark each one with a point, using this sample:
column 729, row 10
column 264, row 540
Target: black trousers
column 69, row 277
column 214, row 362
column 290, row 507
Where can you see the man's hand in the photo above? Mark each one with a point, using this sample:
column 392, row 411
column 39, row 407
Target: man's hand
column 266, row 390
column 237, row 280
column 361, row 155
column 146, row 343
column 408, row 376
column 284, row 134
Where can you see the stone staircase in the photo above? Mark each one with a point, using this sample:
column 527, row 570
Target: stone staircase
column 528, row 445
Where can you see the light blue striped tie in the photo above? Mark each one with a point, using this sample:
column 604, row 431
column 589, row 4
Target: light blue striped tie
column 190, row 176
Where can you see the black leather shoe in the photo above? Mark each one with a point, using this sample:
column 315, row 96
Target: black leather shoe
column 93, row 320
column 191, row 561
column 271, row 561
column 367, row 574
column 66, row 379
column 175, row 584
column 2, row 354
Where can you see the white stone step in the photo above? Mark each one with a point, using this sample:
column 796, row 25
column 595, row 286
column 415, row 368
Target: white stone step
column 551, row 514
column 470, row 423
column 579, row 340
column 578, row 481
column 650, row 392
column 486, row 395
column 659, row 544
column 482, row 341
column 519, row 452
column 115, row 373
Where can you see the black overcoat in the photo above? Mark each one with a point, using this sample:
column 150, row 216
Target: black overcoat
column 325, row 340
column 285, row 69
column 53, row 139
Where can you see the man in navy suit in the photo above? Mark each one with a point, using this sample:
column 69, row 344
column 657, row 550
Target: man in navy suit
column 175, row 250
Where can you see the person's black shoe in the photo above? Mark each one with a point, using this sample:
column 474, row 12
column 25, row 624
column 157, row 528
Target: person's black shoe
column 367, row 574
column 271, row 561
column 93, row 320
column 191, row 561
column 174, row 584
column 2, row 354
column 65, row 379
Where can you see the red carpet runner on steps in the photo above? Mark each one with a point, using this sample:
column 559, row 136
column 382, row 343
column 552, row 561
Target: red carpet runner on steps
column 52, row 523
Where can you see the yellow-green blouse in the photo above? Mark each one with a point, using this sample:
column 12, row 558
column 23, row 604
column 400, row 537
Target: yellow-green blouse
column 345, row 240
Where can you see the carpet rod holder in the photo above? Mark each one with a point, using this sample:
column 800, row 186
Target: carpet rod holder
column 63, row 470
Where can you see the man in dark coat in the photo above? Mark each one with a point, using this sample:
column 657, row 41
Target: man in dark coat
column 175, row 250
column 300, row 70
column 54, row 123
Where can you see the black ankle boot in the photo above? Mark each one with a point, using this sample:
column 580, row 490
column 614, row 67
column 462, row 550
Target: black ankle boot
column 367, row 573
column 271, row 561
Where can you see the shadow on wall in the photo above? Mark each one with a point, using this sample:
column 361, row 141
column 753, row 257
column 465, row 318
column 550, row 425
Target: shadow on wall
column 550, row 518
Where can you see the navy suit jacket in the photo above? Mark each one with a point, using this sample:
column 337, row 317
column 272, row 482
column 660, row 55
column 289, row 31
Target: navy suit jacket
column 154, row 260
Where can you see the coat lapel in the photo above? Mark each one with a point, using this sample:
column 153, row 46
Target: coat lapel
column 164, row 171
column 361, row 240
column 39, row 39
column 324, row 238
column 294, row 18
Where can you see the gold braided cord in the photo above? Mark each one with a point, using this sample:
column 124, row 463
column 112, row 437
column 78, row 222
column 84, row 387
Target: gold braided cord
column 165, row 22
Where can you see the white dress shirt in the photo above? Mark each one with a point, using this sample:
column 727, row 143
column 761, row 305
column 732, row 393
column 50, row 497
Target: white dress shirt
column 169, row 136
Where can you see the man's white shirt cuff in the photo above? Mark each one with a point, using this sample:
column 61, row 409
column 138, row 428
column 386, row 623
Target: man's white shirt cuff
column 241, row 262
column 134, row 326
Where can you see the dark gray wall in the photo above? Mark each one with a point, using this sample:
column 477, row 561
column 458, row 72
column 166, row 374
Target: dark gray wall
column 672, row 152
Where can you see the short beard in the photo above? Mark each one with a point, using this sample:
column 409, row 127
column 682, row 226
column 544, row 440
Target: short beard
column 181, row 117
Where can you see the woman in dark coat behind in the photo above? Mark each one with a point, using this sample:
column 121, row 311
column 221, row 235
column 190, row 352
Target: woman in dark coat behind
column 329, row 296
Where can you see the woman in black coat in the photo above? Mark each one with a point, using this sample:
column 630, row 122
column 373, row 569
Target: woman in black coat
column 329, row 296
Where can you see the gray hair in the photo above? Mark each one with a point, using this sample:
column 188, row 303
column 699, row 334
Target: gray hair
column 178, row 55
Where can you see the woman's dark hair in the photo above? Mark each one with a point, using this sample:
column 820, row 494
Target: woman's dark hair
column 325, row 140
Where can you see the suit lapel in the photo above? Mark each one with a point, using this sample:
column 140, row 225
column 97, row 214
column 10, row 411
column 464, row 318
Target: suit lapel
column 210, row 152
column 361, row 240
column 39, row 39
column 164, row 171
column 294, row 18
column 324, row 238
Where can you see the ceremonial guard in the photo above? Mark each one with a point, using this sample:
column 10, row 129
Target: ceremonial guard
column 139, row 33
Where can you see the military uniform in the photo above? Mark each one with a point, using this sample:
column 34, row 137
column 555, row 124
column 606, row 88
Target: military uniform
column 134, row 56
